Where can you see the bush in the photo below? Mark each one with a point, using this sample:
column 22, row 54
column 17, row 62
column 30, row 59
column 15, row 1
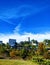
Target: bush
column 26, row 53
column 47, row 55
column 41, row 48
column 12, row 53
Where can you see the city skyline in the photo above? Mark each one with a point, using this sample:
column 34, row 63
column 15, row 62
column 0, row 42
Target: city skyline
column 20, row 19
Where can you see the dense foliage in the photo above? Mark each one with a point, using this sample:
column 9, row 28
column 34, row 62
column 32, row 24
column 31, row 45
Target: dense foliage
column 24, row 50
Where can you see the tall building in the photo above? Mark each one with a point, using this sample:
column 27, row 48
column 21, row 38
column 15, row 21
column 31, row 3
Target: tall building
column 12, row 42
column 1, row 42
column 28, row 39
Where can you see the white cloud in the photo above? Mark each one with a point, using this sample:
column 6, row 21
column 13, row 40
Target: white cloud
column 18, row 37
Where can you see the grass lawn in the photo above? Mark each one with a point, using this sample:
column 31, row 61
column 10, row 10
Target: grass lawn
column 16, row 62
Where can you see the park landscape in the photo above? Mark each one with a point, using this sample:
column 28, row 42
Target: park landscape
column 24, row 53
column 24, row 32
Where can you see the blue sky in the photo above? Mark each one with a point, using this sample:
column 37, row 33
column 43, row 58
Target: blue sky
column 24, row 16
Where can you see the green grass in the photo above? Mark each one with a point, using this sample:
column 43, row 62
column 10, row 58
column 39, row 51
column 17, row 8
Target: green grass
column 17, row 62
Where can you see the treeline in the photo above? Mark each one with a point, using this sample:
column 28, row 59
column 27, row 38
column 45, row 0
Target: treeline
column 24, row 50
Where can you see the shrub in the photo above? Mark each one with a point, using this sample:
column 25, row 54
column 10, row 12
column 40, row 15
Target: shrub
column 26, row 53
column 47, row 55
column 41, row 48
column 12, row 53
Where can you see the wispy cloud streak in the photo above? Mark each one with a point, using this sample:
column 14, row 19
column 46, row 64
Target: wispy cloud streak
column 21, row 11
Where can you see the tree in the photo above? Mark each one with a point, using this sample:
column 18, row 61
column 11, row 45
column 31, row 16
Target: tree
column 47, row 41
column 2, row 48
column 8, row 46
column 47, row 54
column 41, row 48
column 12, row 53
column 35, row 41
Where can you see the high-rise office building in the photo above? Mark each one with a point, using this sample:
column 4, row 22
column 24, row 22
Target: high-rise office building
column 28, row 39
column 12, row 42
column 1, row 42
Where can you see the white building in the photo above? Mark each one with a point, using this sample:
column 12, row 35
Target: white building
column 34, row 44
column 12, row 42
